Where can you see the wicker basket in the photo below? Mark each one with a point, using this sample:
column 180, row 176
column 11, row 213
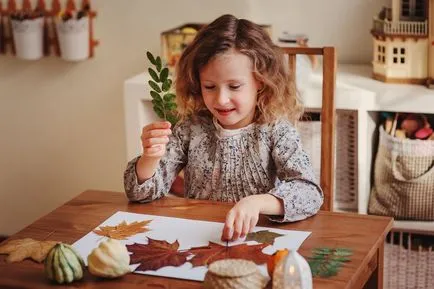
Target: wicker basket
column 407, row 268
column 234, row 274
column 346, row 188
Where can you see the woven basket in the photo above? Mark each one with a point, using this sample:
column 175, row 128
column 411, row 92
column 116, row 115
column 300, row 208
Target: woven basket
column 234, row 273
column 403, row 179
column 405, row 268
column 346, row 162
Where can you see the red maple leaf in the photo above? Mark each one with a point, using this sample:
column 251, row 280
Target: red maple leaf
column 156, row 254
column 205, row 255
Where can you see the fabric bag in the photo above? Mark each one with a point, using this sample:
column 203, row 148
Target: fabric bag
column 403, row 179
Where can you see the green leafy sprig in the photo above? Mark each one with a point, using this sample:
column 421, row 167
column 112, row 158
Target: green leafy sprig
column 327, row 262
column 163, row 101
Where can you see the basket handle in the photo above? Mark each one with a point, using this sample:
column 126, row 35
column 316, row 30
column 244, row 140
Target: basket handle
column 398, row 176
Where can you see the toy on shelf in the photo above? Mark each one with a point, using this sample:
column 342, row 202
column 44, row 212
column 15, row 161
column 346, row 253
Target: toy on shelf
column 409, row 125
column 403, row 43
column 174, row 41
column 26, row 32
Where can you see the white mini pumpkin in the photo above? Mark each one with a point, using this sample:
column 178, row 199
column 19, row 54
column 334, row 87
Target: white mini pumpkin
column 109, row 260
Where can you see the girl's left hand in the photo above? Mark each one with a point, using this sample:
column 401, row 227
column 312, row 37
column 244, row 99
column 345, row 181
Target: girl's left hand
column 241, row 219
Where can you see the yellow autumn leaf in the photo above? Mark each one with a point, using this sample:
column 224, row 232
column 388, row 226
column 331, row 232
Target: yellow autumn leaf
column 21, row 249
column 123, row 230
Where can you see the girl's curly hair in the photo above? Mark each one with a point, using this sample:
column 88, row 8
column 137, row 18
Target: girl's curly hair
column 278, row 97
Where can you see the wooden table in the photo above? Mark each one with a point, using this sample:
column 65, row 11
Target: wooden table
column 365, row 235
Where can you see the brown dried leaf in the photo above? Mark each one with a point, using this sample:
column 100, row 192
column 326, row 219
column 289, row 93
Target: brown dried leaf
column 207, row 254
column 123, row 230
column 263, row 236
column 156, row 254
column 21, row 249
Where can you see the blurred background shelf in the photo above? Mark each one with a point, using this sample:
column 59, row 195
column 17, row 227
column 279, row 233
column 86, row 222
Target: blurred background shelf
column 359, row 99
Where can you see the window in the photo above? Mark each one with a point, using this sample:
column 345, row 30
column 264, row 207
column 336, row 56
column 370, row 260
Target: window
column 413, row 10
column 399, row 54
column 381, row 54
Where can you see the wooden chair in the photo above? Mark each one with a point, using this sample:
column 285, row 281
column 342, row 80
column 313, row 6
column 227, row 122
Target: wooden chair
column 328, row 115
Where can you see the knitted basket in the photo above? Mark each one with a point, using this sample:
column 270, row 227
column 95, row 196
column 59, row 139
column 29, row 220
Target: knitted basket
column 234, row 273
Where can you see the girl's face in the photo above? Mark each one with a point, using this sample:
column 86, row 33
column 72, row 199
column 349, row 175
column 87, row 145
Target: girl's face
column 229, row 89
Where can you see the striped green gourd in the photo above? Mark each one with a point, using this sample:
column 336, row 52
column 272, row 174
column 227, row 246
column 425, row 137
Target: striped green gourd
column 63, row 264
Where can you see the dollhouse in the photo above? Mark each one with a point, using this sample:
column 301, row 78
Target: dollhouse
column 403, row 42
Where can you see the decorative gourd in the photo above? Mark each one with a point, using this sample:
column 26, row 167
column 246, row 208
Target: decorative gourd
column 63, row 264
column 110, row 259
column 274, row 260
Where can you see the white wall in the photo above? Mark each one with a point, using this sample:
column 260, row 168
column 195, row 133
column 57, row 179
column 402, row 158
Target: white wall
column 345, row 24
column 62, row 124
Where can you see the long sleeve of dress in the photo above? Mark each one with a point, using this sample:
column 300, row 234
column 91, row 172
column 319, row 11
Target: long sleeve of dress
column 296, row 183
column 170, row 165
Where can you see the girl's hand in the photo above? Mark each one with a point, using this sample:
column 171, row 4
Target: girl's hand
column 242, row 218
column 154, row 137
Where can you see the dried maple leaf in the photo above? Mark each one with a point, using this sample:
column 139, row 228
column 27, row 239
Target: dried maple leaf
column 207, row 254
column 123, row 230
column 21, row 249
column 264, row 236
column 156, row 254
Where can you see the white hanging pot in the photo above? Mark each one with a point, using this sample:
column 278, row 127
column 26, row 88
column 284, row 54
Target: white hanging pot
column 28, row 38
column 73, row 38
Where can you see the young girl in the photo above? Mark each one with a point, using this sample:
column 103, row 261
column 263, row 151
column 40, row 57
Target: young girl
column 236, row 141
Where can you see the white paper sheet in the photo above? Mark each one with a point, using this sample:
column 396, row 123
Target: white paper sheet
column 189, row 233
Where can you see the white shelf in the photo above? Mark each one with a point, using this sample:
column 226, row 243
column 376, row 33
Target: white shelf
column 415, row 227
column 355, row 90
column 388, row 97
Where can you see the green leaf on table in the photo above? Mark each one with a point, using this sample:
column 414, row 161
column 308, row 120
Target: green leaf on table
column 327, row 262
column 154, row 86
column 151, row 58
column 153, row 74
column 264, row 236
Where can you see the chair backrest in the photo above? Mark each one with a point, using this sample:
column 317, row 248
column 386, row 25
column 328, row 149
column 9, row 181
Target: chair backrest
column 328, row 115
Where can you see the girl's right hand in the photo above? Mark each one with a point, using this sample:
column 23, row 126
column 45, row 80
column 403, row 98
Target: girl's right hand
column 154, row 137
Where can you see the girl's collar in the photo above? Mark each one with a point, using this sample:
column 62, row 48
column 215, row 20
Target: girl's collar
column 222, row 132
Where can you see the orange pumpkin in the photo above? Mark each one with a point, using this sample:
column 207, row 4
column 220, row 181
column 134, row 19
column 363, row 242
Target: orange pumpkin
column 275, row 259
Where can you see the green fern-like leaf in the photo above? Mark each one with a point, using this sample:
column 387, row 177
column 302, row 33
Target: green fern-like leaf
column 154, row 86
column 151, row 58
column 166, row 85
column 327, row 262
column 153, row 74
column 163, row 101
column 158, row 63
column 164, row 74
column 169, row 97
